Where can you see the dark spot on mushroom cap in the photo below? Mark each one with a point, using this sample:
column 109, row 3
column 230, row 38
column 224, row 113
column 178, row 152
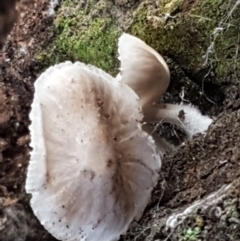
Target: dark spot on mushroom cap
column 94, row 226
column 89, row 174
column 99, row 103
column 109, row 163
column 181, row 115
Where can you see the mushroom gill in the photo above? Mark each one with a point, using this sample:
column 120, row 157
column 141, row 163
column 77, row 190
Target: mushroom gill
column 92, row 167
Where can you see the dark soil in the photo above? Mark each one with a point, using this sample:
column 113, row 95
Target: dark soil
column 8, row 16
column 17, row 74
column 198, row 168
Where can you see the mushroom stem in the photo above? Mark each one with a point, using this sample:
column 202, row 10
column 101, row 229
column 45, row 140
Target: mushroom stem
column 165, row 113
column 186, row 117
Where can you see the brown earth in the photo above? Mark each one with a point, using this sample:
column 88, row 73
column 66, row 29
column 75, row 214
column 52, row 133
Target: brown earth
column 17, row 74
column 198, row 168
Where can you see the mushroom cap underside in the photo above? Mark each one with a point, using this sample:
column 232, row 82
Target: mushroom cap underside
column 92, row 167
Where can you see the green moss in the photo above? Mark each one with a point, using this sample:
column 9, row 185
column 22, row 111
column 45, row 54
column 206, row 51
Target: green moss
column 191, row 234
column 84, row 33
column 170, row 39
column 89, row 34
column 187, row 36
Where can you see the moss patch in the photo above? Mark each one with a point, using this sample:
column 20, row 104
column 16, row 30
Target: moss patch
column 191, row 234
column 85, row 32
column 220, row 222
column 186, row 36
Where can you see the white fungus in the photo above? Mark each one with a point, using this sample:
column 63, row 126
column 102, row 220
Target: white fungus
column 92, row 167
column 94, row 164
column 147, row 73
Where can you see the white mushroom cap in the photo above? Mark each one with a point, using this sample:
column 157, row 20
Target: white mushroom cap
column 92, row 167
column 143, row 69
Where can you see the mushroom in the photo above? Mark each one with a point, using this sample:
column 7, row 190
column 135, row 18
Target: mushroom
column 146, row 72
column 94, row 163
column 92, row 167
